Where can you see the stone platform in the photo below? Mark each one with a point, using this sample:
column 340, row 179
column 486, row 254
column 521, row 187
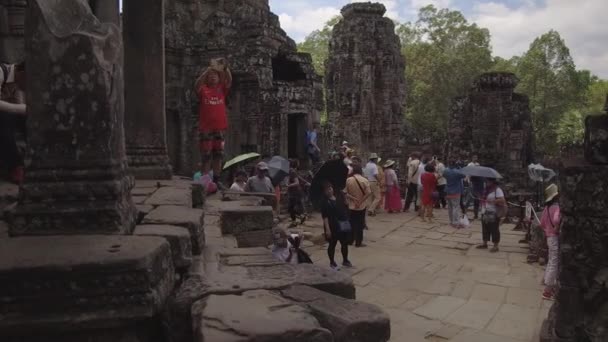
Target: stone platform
column 88, row 280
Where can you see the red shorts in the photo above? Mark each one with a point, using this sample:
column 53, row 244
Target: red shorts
column 211, row 141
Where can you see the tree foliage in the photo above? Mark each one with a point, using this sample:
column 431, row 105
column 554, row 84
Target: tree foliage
column 548, row 76
column 317, row 45
column 444, row 54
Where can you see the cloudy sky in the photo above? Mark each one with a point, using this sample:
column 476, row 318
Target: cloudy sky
column 513, row 24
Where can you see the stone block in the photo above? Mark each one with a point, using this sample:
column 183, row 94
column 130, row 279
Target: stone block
column 198, row 195
column 348, row 320
column 223, row 278
column 245, row 219
column 178, row 238
column 596, row 139
column 183, row 217
column 60, row 282
column 582, row 191
column 256, row 238
column 171, row 196
column 261, row 316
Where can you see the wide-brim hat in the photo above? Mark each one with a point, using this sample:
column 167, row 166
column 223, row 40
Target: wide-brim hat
column 389, row 163
column 373, row 156
column 550, row 192
column 345, row 142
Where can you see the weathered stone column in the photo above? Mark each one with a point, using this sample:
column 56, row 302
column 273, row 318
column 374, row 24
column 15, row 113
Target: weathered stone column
column 76, row 182
column 12, row 24
column 143, row 31
column 580, row 312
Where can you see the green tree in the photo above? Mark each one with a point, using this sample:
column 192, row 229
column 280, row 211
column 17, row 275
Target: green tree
column 444, row 54
column 548, row 76
column 317, row 45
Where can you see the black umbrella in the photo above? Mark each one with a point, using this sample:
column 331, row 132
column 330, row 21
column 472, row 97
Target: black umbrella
column 278, row 169
column 334, row 172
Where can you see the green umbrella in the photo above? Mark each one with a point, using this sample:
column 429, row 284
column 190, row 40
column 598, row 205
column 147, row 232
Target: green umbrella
column 239, row 159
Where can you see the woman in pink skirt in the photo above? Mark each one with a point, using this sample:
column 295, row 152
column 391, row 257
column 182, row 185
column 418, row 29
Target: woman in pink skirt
column 392, row 203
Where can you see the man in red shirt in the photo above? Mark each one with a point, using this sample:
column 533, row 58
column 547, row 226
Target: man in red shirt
column 213, row 87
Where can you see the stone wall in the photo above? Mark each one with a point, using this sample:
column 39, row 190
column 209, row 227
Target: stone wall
column 12, row 26
column 495, row 123
column 365, row 81
column 580, row 312
column 275, row 91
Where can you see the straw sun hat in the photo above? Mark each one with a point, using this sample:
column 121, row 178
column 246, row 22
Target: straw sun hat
column 550, row 192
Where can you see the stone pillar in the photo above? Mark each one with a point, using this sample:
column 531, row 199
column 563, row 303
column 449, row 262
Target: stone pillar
column 107, row 11
column 12, row 25
column 580, row 312
column 76, row 181
column 143, row 32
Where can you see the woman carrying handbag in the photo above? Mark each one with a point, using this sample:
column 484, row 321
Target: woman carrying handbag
column 335, row 224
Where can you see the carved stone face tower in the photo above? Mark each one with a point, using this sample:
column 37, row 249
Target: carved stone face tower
column 495, row 123
column 365, row 81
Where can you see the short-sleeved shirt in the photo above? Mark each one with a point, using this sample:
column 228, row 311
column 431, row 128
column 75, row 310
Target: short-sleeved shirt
column 550, row 220
column 238, row 187
column 358, row 187
column 212, row 111
column 260, row 185
column 371, row 171
column 493, row 196
column 334, row 211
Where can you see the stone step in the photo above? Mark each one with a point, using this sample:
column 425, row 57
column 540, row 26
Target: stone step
column 238, row 218
column 189, row 218
column 178, row 238
column 50, row 283
column 261, row 316
column 348, row 320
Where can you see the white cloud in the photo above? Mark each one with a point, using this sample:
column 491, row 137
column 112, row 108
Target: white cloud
column 417, row 4
column 581, row 24
column 299, row 24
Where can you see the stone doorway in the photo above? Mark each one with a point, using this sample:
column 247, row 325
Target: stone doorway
column 296, row 136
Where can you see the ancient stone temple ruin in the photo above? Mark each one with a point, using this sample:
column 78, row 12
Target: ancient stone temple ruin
column 580, row 312
column 111, row 259
column 275, row 95
column 365, row 81
column 12, row 24
column 495, row 123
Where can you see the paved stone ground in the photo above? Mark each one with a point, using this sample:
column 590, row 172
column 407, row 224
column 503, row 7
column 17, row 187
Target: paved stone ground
column 437, row 287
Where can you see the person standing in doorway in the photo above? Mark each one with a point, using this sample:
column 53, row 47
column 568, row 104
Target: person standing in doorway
column 493, row 202
column 453, row 189
column 412, row 181
column 550, row 222
column 357, row 193
column 12, row 118
column 312, row 147
column 212, row 88
column 372, row 174
column 335, row 225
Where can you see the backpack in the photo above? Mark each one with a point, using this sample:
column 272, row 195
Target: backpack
column 502, row 210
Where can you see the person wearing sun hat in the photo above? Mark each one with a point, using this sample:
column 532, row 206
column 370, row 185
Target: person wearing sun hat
column 372, row 174
column 550, row 221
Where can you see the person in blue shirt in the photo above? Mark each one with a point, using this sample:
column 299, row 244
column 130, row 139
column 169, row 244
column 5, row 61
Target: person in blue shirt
column 313, row 150
column 453, row 189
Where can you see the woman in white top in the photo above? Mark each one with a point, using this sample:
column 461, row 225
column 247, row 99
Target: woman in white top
column 494, row 209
